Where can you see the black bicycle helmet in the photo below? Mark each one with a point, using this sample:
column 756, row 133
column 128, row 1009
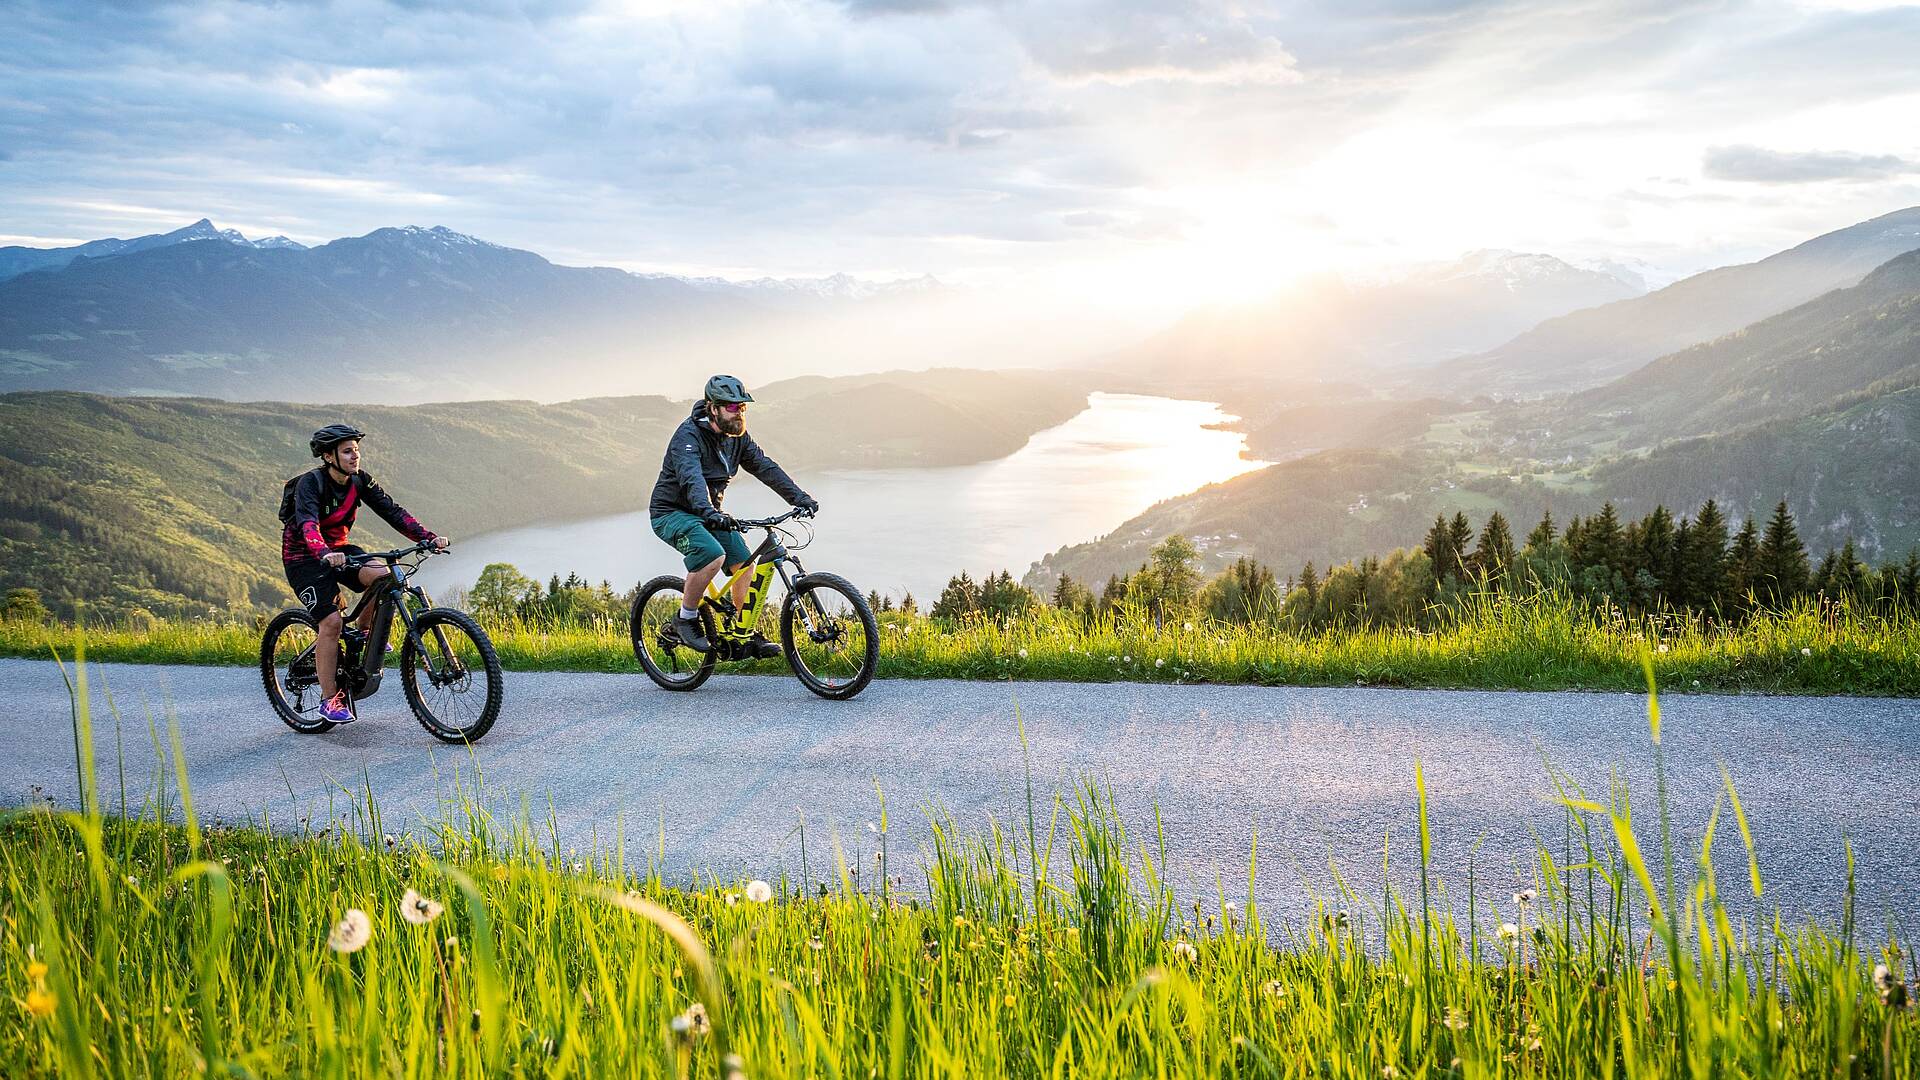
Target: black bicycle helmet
column 331, row 436
column 727, row 390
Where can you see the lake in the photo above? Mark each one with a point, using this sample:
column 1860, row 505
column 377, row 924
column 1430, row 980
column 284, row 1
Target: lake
column 909, row 530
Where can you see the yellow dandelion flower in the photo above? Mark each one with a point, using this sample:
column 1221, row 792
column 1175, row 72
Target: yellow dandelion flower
column 39, row 1003
column 499, row 873
column 1009, row 1001
column 37, row 970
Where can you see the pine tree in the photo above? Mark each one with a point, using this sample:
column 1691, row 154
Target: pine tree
column 1063, row 592
column 1703, row 560
column 1850, row 577
column 1310, row 584
column 1781, row 573
column 873, row 600
column 1495, row 553
column 908, row 605
column 1655, row 552
column 1541, row 537
column 1601, row 542
column 1440, row 549
column 959, row 599
column 1743, row 562
column 1460, row 532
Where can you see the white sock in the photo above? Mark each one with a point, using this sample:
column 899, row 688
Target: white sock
column 689, row 614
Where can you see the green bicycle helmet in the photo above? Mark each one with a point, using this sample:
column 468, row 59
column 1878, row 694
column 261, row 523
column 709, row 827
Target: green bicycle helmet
column 727, row 390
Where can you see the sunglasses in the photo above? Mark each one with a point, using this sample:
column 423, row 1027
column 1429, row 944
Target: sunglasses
column 738, row 407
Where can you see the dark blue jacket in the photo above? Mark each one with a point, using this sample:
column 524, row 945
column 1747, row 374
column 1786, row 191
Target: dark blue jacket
column 699, row 463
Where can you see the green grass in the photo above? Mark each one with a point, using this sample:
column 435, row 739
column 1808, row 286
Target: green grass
column 132, row 947
column 1547, row 643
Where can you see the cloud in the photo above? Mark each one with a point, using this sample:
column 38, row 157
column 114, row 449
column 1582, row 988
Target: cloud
column 1754, row 164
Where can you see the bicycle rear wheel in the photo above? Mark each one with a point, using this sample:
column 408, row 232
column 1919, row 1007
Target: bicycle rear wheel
column 286, row 669
column 671, row 665
column 830, row 636
column 455, row 684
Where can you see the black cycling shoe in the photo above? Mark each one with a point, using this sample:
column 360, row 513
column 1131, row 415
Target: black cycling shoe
column 759, row 648
column 687, row 632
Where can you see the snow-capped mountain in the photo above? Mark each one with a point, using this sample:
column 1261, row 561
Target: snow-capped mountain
column 1515, row 271
column 1398, row 317
column 20, row 260
column 833, row 287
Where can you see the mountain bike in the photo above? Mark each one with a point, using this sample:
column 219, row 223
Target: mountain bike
column 448, row 669
column 828, row 634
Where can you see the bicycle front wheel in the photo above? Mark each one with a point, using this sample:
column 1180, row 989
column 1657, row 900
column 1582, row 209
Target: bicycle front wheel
column 454, row 684
column 830, row 636
column 670, row 664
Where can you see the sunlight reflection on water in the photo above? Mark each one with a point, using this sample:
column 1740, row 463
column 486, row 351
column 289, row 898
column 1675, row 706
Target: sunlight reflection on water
column 900, row 530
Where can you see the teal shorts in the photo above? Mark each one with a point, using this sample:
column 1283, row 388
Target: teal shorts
column 692, row 539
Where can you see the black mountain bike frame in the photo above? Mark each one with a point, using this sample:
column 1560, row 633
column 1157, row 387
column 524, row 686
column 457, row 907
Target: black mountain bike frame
column 390, row 596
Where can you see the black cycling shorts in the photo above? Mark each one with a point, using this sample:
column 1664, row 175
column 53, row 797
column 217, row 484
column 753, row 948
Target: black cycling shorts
column 318, row 585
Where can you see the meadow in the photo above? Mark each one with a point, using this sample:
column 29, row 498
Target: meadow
column 1543, row 642
column 154, row 944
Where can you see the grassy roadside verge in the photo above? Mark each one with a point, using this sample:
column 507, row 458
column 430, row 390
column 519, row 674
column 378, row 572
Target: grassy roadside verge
column 1546, row 644
column 132, row 947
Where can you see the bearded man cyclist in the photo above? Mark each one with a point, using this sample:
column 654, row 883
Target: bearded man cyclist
column 318, row 509
column 706, row 450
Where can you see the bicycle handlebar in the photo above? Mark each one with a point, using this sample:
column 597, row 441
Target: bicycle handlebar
column 767, row 523
column 424, row 547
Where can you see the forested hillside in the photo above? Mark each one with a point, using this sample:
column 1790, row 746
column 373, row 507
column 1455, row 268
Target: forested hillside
column 168, row 504
column 1865, row 338
column 1588, row 348
column 1851, row 472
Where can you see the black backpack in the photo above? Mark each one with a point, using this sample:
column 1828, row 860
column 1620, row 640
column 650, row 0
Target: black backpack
column 286, row 497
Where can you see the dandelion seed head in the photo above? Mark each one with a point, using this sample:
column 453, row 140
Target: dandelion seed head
column 1184, row 950
column 418, row 910
column 1023, row 654
column 759, row 891
column 697, row 1020
column 1509, row 932
column 1804, row 651
column 351, row 933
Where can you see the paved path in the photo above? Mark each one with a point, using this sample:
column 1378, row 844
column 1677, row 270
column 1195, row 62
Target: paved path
column 1319, row 773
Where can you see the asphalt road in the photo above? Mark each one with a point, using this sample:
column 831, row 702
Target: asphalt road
column 725, row 773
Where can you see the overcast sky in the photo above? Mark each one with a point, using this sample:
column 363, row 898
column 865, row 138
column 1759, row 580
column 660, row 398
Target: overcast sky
column 1154, row 152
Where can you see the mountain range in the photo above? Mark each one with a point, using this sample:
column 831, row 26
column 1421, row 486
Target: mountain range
column 1326, row 326
column 1586, row 348
column 400, row 314
column 15, row 260
column 1816, row 401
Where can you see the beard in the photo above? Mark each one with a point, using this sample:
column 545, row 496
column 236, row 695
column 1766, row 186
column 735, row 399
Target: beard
column 735, row 425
